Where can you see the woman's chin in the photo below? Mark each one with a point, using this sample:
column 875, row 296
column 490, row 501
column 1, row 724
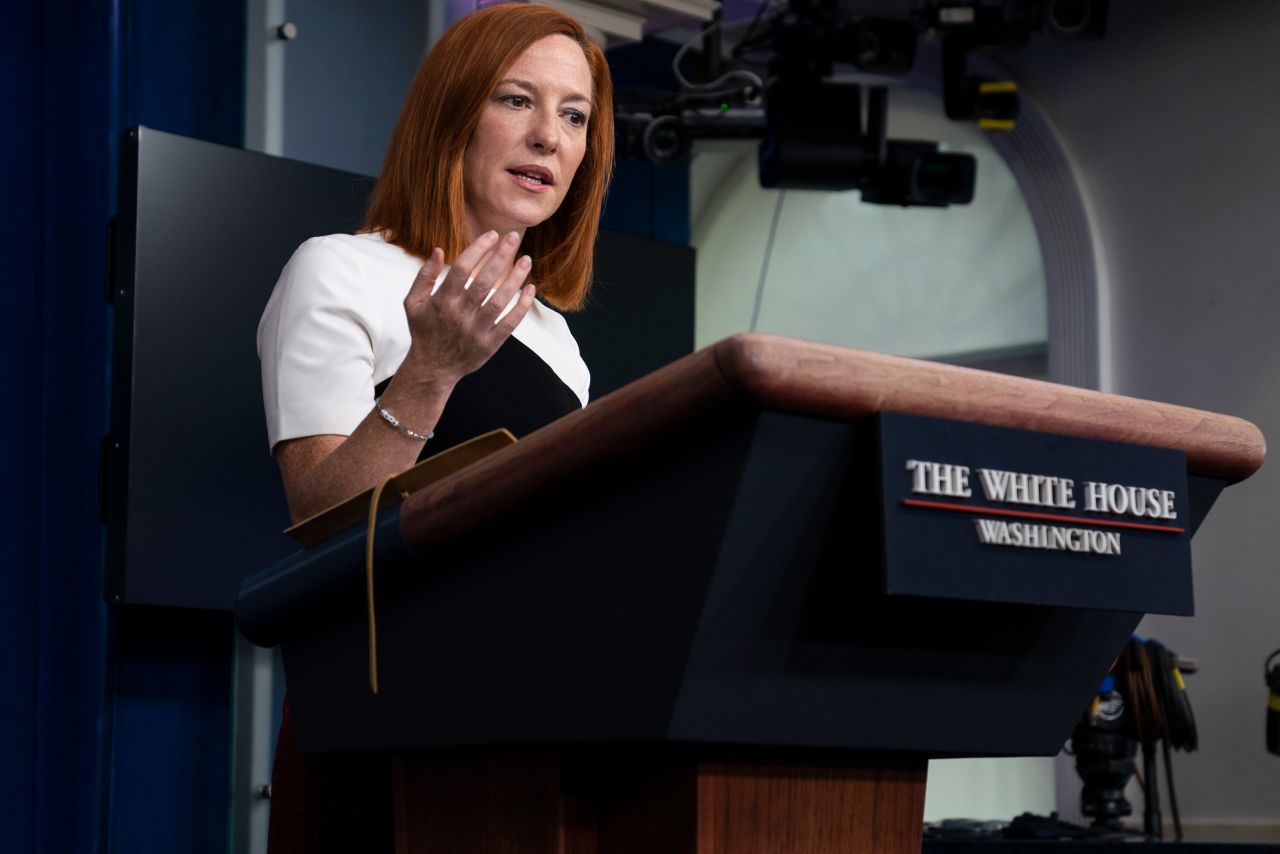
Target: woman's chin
column 514, row 217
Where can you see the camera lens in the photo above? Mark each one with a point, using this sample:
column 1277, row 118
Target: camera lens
column 883, row 46
column 666, row 140
column 943, row 179
column 1069, row 17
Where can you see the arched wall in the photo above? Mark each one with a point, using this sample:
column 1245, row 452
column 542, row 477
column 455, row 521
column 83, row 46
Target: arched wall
column 924, row 282
column 1058, row 207
column 1042, row 167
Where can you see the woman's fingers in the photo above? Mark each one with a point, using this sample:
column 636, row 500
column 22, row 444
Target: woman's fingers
column 507, row 324
column 507, row 290
column 455, row 283
column 495, row 268
column 459, row 328
column 426, row 278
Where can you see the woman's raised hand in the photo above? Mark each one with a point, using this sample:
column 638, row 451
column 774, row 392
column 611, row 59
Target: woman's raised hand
column 456, row 329
column 453, row 332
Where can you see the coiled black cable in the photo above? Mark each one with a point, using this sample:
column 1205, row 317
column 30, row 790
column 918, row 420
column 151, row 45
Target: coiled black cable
column 1161, row 714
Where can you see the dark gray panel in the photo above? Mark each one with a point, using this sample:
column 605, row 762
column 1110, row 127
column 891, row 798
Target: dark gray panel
column 639, row 314
column 194, row 498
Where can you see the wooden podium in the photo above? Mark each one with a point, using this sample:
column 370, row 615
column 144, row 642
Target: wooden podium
column 674, row 621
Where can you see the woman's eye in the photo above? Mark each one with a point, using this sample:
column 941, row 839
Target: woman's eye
column 576, row 118
column 515, row 100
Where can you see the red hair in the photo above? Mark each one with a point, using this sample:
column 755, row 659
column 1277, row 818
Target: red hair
column 418, row 202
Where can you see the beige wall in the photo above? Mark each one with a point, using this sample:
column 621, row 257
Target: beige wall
column 1174, row 122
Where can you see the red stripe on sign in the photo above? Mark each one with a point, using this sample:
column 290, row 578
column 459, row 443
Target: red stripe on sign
column 1047, row 517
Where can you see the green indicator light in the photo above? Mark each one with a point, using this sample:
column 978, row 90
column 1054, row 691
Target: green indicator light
column 724, row 108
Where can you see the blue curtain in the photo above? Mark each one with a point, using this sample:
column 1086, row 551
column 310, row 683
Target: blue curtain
column 57, row 162
column 81, row 677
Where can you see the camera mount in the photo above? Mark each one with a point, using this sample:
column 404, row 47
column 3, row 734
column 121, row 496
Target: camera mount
column 811, row 127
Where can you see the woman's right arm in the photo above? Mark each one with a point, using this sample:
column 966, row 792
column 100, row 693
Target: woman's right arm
column 452, row 333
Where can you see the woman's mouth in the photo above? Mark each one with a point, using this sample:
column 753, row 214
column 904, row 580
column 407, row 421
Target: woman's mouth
column 531, row 178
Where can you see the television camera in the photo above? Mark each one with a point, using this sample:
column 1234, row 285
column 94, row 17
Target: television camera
column 814, row 133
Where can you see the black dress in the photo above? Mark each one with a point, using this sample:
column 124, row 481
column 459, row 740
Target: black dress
column 334, row 802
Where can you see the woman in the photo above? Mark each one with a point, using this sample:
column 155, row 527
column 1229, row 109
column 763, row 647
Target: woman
column 375, row 347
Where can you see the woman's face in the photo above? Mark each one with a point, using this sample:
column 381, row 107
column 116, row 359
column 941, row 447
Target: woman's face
column 530, row 139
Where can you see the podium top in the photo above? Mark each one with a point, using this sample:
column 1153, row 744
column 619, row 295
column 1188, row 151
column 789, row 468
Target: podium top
column 760, row 371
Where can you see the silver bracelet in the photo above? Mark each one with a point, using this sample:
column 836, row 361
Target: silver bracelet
column 395, row 422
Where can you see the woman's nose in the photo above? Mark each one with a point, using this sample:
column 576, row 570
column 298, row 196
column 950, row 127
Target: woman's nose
column 543, row 133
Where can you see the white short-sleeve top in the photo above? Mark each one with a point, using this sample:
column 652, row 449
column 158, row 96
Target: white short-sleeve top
column 335, row 327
